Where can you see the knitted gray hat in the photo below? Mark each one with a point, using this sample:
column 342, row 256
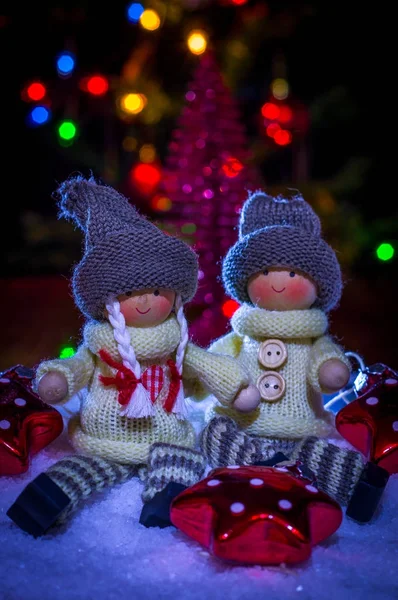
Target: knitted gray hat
column 123, row 250
column 276, row 232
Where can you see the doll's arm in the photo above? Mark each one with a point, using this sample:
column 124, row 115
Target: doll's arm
column 328, row 367
column 77, row 370
column 219, row 374
column 229, row 344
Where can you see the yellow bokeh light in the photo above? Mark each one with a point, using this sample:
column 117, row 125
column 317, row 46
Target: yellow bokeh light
column 147, row 153
column 280, row 88
column 129, row 143
column 150, row 20
column 197, row 42
column 133, row 103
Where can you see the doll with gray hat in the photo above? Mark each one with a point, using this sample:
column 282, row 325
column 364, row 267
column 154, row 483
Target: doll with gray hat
column 286, row 279
column 134, row 359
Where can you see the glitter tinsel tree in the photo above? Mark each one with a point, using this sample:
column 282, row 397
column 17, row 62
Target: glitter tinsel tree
column 207, row 177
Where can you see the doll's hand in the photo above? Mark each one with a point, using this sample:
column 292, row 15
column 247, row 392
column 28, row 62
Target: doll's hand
column 53, row 387
column 247, row 400
column 333, row 375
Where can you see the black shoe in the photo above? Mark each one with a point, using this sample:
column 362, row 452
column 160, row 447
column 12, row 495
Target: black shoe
column 156, row 512
column 367, row 493
column 39, row 505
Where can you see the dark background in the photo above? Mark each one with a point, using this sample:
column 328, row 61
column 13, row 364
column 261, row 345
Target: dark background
column 335, row 56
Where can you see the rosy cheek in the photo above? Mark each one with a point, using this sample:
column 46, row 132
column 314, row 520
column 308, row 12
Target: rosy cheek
column 260, row 290
column 299, row 290
column 160, row 305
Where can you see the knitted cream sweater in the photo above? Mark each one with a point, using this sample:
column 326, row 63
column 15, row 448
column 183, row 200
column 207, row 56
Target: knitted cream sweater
column 99, row 429
column 300, row 410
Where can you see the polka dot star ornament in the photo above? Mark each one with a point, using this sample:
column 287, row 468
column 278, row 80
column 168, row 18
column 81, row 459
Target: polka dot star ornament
column 27, row 424
column 256, row 514
column 370, row 422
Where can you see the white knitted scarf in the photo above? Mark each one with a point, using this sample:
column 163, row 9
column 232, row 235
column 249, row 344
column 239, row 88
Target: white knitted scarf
column 258, row 323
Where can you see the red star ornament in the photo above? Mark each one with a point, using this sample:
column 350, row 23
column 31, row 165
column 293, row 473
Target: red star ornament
column 370, row 422
column 27, row 424
column 256, row 515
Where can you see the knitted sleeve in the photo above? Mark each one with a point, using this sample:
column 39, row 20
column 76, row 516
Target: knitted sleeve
column 322, row 350
column 219, row 375
column 229, row 344
column 78, row 370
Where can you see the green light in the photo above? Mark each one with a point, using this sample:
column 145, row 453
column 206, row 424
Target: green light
column 188, row 228
column 385, row 252
column 67, row 352
column 67, row 130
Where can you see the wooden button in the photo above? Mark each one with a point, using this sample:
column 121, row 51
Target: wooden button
column 271, row 386
column 272, row 354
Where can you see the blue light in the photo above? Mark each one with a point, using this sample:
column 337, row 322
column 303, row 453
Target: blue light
column 65, row 63
column 39, row 115
column 134, row 11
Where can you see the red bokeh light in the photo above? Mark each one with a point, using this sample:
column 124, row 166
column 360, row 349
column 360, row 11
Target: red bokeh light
column 285, row 114
column 229, row 308
column 282, row 137
column 270, row 111
column 272, row 129
column 146, row 177
column 232, row 167
column 36, row 91
column 97, row 85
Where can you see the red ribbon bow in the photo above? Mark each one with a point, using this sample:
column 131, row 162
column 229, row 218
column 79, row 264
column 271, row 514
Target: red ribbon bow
column 126, row 381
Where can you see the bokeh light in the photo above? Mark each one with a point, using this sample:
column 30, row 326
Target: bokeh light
column 39, row 115
column 65, row 64
column 97, row 85
column 145, row 177
column 385, row 251
column 161, row 203
column 133, row 103
column 229, row 308
column 134, row 12
column 67, row 352
column 36, row 91
column 282, row 137
column 270, row 111
column 67, row 130
column 197, row 41
column 150, row 20
column 280, row 88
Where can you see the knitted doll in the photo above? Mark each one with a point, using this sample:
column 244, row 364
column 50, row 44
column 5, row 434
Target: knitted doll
column 286, row 278
column 131, row 285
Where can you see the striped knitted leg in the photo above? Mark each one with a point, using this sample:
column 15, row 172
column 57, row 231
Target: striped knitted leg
column 337, row 470
column 168, row 463
column 224, row 444
column 80, row 476
column 52, row 496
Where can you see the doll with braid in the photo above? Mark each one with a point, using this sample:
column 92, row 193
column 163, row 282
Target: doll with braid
column 286, row 279
column 134, row 360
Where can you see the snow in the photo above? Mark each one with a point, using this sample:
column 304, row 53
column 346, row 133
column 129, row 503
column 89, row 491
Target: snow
column 103, row 553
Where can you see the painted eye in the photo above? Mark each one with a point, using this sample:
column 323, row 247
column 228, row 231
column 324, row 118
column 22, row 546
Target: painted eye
column 128, row 293
column 292, row 274
column 265, row 272
column 156, row 293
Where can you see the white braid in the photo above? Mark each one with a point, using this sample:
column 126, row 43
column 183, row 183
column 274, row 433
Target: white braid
column 140, row 404
column 180, row 407
column 184, row 333
column 122, row 337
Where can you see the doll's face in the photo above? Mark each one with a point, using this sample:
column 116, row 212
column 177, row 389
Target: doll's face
column 281, row 289
column 146, row 308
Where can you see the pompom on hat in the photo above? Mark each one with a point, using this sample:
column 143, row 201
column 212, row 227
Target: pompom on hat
column 123, row 250
column 280, row 232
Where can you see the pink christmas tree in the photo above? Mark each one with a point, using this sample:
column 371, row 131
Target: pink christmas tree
column 207, row 177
